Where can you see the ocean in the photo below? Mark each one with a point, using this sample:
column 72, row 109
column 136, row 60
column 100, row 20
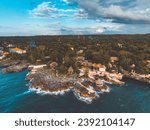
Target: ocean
column 16, row 97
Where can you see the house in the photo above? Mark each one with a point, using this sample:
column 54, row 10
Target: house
column 86, row 63
column 35, row 67
column 132, row 66
column 72, row 48
column 82, row 71
column 17, row 50
column 53, row 64
column 114, row 59
column 100, row 67
column 1, row 57
column 6, row 53
column 148, row 61
column 70, row 70
column 10, row 45
column 80, row 58
column 148, row 65
column 80, row 52
column 120, row 45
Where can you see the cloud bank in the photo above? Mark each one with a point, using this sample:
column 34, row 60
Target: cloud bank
column 124, row 11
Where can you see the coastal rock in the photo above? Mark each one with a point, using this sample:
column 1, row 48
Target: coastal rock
column 16, row 68
column 83, row 87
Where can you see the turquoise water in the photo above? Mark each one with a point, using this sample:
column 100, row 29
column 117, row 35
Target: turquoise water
column 15, row 97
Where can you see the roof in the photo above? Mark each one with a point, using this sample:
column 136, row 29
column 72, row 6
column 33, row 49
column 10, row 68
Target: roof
column 16, row 49
column 114, row 58
column 70, row 68
column 98, row 66
column 83, row 68
column 6, row 53
column 148, row 61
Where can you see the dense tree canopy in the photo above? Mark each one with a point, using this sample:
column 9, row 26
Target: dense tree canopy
column 130, row 49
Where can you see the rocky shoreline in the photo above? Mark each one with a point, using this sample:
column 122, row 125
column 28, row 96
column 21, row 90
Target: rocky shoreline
column 16, row 68
column 84, row 87
column 137, row 77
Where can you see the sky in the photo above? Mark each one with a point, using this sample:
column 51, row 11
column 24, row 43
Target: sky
column 74, row 17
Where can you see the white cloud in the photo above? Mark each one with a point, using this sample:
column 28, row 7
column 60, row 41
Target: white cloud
column 137, row 13
column 47, row 10
column 100, row 30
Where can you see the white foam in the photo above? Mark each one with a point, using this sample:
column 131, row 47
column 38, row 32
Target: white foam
column 42, row 92
column 86, row 100
column 24, row 93
column 107, row 82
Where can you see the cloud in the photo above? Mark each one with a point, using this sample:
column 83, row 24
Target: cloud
column 48, row 10
column 74, row 30
column 123, row 11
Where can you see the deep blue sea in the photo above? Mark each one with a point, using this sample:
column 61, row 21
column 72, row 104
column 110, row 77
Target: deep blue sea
column 15, row 96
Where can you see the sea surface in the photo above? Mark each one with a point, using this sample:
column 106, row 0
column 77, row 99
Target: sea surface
column 15, row 96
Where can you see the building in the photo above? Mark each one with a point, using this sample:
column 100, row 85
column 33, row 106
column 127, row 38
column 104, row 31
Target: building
column 70, row 70
column 80, row 52
column 10, row 46
column 81, row 58
column 114, row 59
column 100, row 67
column 2, row 57
column 148, row 61
column 17, row 50
column 35, row 67
column 6, row 53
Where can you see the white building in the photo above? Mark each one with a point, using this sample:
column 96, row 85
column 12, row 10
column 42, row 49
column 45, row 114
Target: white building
column 17, row 50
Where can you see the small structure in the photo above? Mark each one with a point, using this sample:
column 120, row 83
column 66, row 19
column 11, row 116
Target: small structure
column 132, row 66
column 83, row 70
column 47, row 57
column 99, row 82
column 10, row 45
column 36, row 67
column 72, row 48
column 114, row 59
column 6, row 53
column 70, row 70
column 80, row 52
column 81, row 58
column 148, row 65
column 53, row 64
column 2, row 57
column 17, row 50
column 148, row 61
column 100, row 67
column 86, row 63
column 120, row 45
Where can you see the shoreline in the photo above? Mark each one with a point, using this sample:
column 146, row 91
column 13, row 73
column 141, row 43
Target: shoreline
column 142, row 82
column 85, row 88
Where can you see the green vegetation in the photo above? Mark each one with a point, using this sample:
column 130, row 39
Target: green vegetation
column 129, row 49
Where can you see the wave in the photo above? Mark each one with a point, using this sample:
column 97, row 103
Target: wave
column 24, row 93
column 42, row 92
column 86, row 100
column 107, row 82
column 77, row 95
